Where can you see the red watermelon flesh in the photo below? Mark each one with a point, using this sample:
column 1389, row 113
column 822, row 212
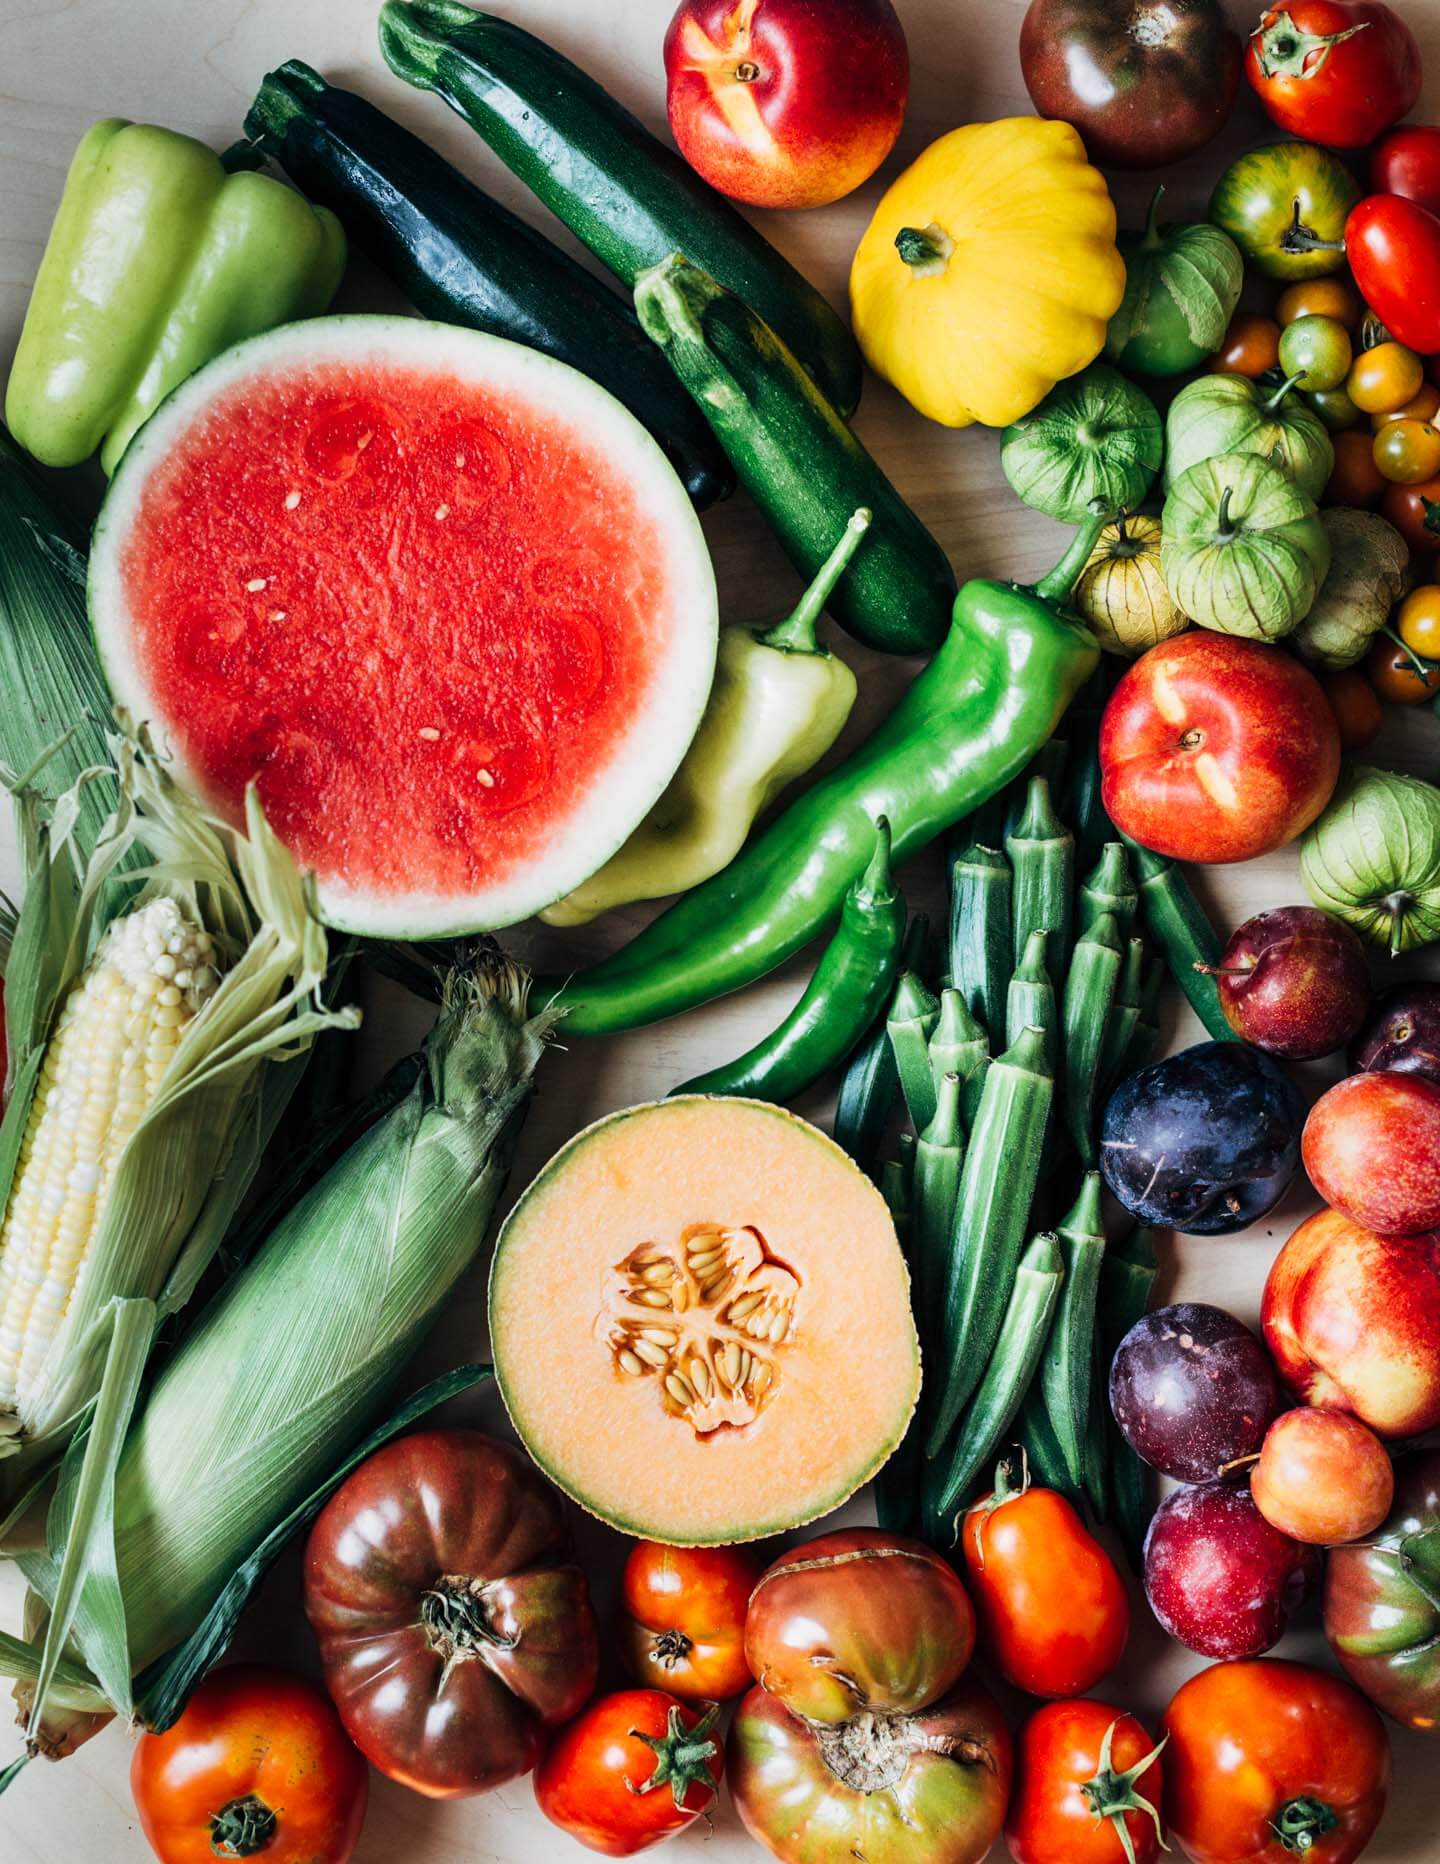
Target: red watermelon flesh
column 422, row 607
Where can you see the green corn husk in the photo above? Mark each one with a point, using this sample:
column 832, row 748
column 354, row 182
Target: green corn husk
column 55, row 693
column 192, row 1157
column 301, row 1350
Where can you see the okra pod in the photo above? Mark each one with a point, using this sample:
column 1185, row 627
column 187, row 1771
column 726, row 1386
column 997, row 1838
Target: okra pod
column 1030, row 1000
column 1042, row 855
column 1109, row 887
column 914, row 1013
column 959, row 1045
column 1181, row 928
column 981, row 935
column 1041, row 1446
column 1124, row 1015
column 870, row 1089
column 1127, row 1283
column 1049, row 762
column 1002, row 1165
column 1090, row 986
column 1097, row 1460
column 897, row 1187
column 939, row 1155
column 1068, row 1362
column 1146, row 1037
column 1020, row 1342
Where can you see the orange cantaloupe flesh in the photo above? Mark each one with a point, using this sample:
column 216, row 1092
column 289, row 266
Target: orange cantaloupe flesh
column 701, row 1322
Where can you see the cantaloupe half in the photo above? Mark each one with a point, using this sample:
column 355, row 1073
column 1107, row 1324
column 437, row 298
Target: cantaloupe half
column 440, row 597
column 701, row 1324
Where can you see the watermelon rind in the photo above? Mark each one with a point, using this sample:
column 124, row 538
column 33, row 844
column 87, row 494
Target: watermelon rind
column 648, row 752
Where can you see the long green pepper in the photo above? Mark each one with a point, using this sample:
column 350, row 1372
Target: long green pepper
column 1002, row 1167
column 1066, row 1376
column 1042, row 855
column 981, row 934
column 851, row 982
column 1090, row 986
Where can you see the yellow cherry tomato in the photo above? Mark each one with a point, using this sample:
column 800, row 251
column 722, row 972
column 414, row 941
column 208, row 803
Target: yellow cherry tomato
column 1407, row 452
column 1422, row 407
column 1417, row 621
column 1384, row 378
column 1320, row 297
column 1393, row 673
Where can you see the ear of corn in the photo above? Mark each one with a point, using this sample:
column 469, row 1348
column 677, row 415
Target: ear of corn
column 137, row 1113
column 293, row 1360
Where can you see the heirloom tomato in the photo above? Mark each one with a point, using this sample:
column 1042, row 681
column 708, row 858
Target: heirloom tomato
column 1356, row 706
column 1285, row 206
column 1270, row 1760
column 1383, row 379
column 257, row 1764
column 685, row 1618
column 1320, row 297
column 631, row 1770
column 1339, row 72
column 1407, row 451
column 1053, row 1610
column 1354, row 479
column 1084, row 1770
column 453, row 1627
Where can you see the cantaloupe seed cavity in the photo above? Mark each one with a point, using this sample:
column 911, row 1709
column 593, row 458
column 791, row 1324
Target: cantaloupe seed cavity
column 709, row 1319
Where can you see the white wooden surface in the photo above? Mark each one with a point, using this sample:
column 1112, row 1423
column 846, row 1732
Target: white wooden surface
column 194, row 64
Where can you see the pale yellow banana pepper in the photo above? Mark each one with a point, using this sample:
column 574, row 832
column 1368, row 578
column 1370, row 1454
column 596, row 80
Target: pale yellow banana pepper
column 780, row 700
column 989, row 272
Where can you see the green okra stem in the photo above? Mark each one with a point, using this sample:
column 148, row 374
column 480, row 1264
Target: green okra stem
column 959, row 1045
column 1066, row 1376
column 981, row 911
column 997, row 1185
column 913, row 1017
column 1090, row 986
column 1042, row 856
column 1011, row 1367
column 1109, row 887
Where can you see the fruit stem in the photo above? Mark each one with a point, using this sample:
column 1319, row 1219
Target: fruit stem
column 1223, row 532
column 241, row 1828
column 1297, row 237
column 1284, row 50
column 1152, row 241
column 1272, row 406
column 796, row 634
column 1421, row 667
column 1111, row 1795
column 1300, row 1822
column 926, row 250
column 682, row 1756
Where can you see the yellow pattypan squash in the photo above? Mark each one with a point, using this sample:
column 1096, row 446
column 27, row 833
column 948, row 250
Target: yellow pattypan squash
column 989, row 272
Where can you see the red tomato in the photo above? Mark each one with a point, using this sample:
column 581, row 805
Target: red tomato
column 1414, row 510
column 1051, row 1604
column 631, row 1770
column 1338, row 72
column 1269, row 1761
column 1082, row 1770
column 685, row 1618
column 1408, row 162
column 1394, row 251
column 1354, row 479
column 1356, row 706
column 258, row 1763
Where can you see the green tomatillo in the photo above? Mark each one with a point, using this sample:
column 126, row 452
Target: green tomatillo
column 1244, row 551
column 1373, row 858
column 1229, row 414
column 1094, row 437
column 1182, row 283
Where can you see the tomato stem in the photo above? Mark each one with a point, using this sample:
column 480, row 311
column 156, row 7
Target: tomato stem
column 1301, row 1821
column 242, row 1828
column 1112, row 1795
column 1297, row 237
column 1284, row 50
column 682, row 1756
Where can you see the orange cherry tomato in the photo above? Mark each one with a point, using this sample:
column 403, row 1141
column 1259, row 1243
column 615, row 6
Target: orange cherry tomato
column 1417, row 620
column 1391, row 670
column 1414, row 510
column 685, row 1618
column 1070, row 1800
column 1052, row 1607
column 1384, row 378
column 1251, row 346
column 1320, row 297
column 257, row 1764
column 1422, row 406
column 1407, row 452
column 1356, row 706
column 1354, row 479
column 1271, row 1761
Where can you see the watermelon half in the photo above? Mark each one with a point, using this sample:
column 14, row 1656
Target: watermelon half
column 441, row 597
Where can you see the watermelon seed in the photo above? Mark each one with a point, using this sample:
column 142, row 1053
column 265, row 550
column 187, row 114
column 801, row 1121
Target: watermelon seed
column 442, row 512
column 429, row 733
column 460, row 461
column 629, row 1363
column 484, row 777
column 277, row 614
column 292, row 499
column 255, row 585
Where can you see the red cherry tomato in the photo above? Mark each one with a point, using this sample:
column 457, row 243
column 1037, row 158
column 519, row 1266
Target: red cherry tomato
column 257, row 1763
column 1356, row 706
column 685, row 1612
column 1051, row 1605
column 631, row 1770
column 1337, row 72
column 1393, row 247
column 1397, row 677
column 1082, row 1771
column 1408, row 162
column 1251, row 346
column 1414, row 510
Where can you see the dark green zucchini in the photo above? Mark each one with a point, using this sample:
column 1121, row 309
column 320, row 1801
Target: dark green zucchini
column 619, row 189
column 464, row 259
column 798, row 460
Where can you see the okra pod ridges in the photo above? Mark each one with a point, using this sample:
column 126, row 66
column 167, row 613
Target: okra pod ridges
column 912, row 1020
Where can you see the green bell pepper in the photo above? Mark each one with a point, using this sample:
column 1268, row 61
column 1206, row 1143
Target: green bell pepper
column 159, row 258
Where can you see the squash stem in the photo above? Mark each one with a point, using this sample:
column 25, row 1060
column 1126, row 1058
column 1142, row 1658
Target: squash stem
column 926, row 250
column 796, row 634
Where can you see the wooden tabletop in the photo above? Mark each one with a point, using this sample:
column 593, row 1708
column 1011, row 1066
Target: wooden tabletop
column 194, row 65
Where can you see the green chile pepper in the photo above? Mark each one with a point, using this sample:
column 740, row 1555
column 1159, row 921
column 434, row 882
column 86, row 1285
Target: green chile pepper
column 157, row 261
column 970, row 722
column 851, row 982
